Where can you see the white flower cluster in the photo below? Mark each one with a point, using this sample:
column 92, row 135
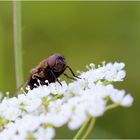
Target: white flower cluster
column 37, row 113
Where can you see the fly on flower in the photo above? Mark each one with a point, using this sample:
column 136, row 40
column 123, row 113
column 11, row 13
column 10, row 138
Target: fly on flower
column 48, row 70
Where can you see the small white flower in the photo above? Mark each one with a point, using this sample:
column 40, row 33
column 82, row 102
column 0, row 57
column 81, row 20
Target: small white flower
column 32, row 105
column 56, row 88
column 76, row 87
column 96, row 107
column 120, row 76
column 44, row 133
column 114, row 72
column 11, row 113
column 78, row 117
column 119, row 66
column 127, row 100
column 117, row 96
column 39, row 92
column 9, row 109
column 32, row 122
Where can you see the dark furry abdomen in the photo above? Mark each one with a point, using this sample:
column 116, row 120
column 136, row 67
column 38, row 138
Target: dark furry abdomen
column 33, row 83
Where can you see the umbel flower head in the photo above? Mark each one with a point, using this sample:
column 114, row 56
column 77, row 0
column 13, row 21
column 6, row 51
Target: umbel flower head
column 38, row 112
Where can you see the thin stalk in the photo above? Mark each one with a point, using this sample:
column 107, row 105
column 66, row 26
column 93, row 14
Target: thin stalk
column 55, row 97
column 17, row 42
column 78, row 134
column 112, row 106
column 89, row 129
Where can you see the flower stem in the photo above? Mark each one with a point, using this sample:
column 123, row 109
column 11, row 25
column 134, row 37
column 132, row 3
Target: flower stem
column 82, row 128
column 112, row 106
column 91, row 125
column 55, row 97
column 17, row 42
column 89, row 129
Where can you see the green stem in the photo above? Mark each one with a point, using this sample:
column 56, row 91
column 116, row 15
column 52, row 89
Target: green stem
column 112, row 106
column 46, row 102
column 82, row 128
column 55, row 97
column 17, row 42
column 89, row 129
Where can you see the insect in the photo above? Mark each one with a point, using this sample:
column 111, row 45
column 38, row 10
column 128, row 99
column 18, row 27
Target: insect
column 49, row 70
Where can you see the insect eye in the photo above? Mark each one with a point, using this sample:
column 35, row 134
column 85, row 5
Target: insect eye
column 61, row 58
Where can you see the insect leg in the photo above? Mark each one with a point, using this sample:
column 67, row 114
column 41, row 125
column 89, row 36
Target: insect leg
column 55, row 77
column 68, row 76
column 73, row 72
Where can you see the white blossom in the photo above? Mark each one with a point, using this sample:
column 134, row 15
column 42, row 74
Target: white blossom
column 78, row 117
column 96, row 106
column 39, row 111
column 45, row 133
column 127, row 100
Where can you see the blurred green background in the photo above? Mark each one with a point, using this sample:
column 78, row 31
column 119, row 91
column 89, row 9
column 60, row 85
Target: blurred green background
column 84, row 32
